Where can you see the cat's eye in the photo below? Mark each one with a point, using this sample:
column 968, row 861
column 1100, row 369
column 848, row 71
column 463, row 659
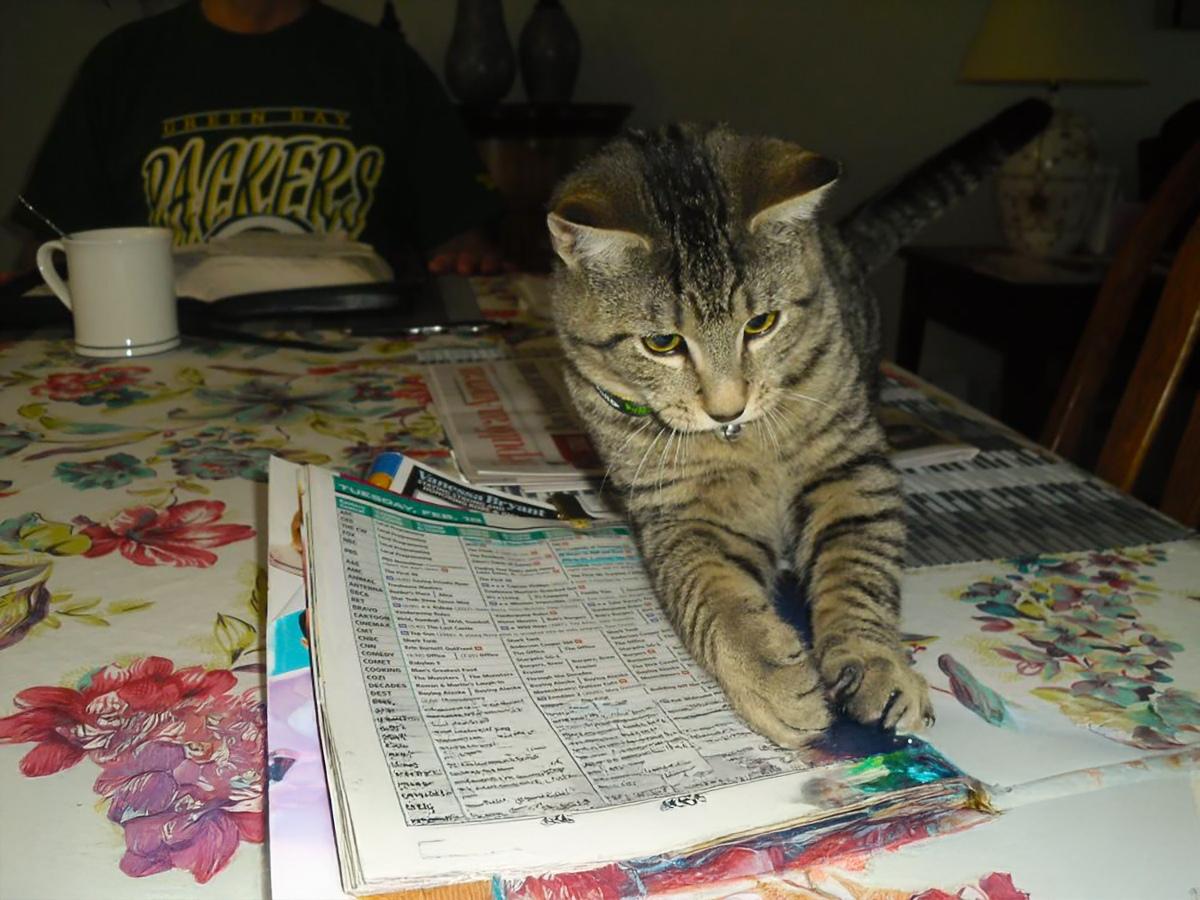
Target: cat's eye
column 663, row 343
column 761, row 324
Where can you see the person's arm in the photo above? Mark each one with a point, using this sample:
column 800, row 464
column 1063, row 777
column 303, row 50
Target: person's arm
column 470, row 253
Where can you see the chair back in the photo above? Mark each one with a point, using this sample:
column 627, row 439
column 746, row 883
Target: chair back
column 1173, row 333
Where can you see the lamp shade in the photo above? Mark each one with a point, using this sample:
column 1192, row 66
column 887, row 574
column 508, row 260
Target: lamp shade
column 1054, row 42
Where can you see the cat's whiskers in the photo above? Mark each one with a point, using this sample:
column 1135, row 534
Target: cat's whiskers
column 684, row 439
column 671, row 470
column 638, row 471
column 616, row 456
column 811, row 399
column 778, row 426
column 662, row 461
column 771, row 426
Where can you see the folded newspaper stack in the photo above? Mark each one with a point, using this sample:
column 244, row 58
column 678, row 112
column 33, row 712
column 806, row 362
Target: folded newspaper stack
column 500, row 696
column 511, row 423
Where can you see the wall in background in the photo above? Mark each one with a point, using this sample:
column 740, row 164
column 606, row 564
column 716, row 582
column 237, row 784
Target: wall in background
column 871, row 82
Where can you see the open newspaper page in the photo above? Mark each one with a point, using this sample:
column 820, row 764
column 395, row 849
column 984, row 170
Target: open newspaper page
column 502, row 696
column 511, row 422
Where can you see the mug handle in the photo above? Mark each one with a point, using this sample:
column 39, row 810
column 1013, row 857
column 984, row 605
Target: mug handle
column 45, row 264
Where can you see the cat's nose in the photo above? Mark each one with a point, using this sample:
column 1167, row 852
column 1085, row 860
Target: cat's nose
column 724, row 398
column 725, row 417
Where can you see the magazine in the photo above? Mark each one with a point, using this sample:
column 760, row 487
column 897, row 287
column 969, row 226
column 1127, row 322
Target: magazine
column 499, row 702
column 303, row 859
column 500, row 695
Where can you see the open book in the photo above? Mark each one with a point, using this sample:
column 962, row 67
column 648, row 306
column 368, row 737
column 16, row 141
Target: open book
column 500, row 696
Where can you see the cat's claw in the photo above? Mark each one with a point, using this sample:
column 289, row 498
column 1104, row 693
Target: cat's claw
column 848, row 681
column 878, row 687
column 893, row 712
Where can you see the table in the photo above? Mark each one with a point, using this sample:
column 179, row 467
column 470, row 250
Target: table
column 132, row 555
column 1032, row 311
column 132, row 579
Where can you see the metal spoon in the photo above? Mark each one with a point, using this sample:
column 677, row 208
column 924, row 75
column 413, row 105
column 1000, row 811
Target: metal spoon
column 29, row 206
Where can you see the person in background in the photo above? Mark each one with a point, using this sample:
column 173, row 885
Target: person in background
column 220, row 116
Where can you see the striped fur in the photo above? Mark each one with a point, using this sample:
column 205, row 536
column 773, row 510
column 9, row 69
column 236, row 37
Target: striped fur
column 696, row 232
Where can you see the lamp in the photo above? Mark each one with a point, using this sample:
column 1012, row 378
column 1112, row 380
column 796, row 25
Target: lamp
column 1048, row 189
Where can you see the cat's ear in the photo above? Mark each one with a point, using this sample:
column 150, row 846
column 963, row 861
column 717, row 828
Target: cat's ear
column 792, row 185
column 585, row 232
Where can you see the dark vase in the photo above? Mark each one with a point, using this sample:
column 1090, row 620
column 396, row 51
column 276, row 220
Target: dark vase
column 480, row 64
column 549, row 54
column 390, row 21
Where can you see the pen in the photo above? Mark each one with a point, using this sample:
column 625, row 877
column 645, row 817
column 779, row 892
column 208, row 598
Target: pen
column 384, row 468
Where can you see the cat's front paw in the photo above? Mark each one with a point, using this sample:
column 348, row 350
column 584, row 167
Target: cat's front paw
column 876, row 685
column 769, row 679
column 785, row 704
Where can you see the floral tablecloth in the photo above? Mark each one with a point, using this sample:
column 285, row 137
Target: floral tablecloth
column 132, row 583
column 132, row 545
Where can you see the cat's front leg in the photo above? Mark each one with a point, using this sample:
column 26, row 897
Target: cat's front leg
column 713, row 584
column 850, row 551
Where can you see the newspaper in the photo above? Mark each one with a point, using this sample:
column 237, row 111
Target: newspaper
column 914, row 443
column 512, row 425
column 404, row 475
column 500, row 695
column 400, row 474
column 511, row 422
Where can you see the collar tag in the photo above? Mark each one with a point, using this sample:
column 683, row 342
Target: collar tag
column 620, row 404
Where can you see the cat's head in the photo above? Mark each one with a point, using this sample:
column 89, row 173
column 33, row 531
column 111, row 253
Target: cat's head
column 692, row 278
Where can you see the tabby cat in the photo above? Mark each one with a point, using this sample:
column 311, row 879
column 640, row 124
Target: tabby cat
column 723, row 350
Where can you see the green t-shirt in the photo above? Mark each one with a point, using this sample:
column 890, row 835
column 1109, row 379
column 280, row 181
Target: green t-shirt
column 326, row 125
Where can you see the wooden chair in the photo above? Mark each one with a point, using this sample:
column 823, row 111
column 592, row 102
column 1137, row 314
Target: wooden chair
column 1164, row 354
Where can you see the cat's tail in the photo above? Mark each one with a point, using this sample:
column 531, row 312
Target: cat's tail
column 875, row 229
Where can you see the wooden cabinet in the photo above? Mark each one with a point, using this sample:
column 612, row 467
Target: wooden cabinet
column 527, row 148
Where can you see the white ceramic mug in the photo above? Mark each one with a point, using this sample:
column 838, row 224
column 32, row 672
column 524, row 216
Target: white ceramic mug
column 122, row 292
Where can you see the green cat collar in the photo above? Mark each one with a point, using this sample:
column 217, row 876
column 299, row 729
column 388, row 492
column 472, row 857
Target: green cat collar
column 620, row 404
